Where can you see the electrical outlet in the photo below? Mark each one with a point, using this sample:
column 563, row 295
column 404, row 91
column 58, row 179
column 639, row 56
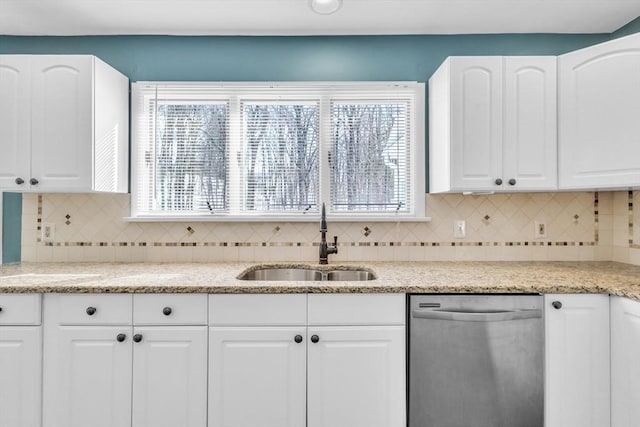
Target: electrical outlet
column 540, row 229
column 459, row 228
column 48, row 232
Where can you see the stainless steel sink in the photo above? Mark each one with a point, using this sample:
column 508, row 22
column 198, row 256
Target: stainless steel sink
column 288, row 274
column 306, row 274
column 350, row 275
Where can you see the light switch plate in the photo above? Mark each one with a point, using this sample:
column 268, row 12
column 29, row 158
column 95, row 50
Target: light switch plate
column 459, row 228
column 48, row 232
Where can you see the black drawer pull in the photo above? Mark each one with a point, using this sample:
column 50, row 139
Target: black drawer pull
column 91, row 311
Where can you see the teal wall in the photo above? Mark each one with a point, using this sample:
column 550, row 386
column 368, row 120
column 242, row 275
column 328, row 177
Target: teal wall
column 11, row 227
column 292, row 58
column 631, row 28
column 279, row 59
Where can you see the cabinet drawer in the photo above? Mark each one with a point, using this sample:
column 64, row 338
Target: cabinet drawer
column 92, row 309
column 258, row 309
column 357, row 309
column 170, row 309
column 20, row 309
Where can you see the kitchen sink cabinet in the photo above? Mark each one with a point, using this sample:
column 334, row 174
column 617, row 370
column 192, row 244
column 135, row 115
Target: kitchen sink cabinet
column 342, row 364
column 625, row 362
column 64, row 124
column 356, row 376
column 102, row 369
column 257, row 376
column 492, row 124
column 599, row 106
column 577, row 389
column 20, row 361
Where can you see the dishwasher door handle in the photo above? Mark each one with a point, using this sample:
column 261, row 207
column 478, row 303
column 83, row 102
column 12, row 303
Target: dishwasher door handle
column 477, row 316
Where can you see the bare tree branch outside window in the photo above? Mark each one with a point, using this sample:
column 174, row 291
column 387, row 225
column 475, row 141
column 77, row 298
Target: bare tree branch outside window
column 191, row 157
column 280, row 157
column 369, row 157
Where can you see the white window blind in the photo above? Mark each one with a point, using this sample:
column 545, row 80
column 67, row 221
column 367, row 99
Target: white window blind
column 280, row 147
column 370, row 156
column 255, row 150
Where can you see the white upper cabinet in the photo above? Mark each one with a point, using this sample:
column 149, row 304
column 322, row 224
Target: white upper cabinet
column 15, row 128
column 63, row 124
column 492, row 124
column 530, row 123
column 599, row 107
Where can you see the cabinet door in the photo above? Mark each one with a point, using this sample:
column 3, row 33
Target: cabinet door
column 257, row 377
column 530, row 141
column 625, row 362
column 15, row 121
column 476, row 122
column 170, row 377
column 577, row 389
column 21, row 374
column 599, row 106
column 87, row 377
column 62, row 122
column 356, row 377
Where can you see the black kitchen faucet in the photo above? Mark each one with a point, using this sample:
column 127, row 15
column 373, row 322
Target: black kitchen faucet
column 325, row 249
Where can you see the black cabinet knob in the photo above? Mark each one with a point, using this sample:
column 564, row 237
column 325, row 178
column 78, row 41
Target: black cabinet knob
column 315, row 338
column 0, row 309
column 91, row 311
column 557, row 305
column 499, row 181
column 121, row 337
column 512, row 181
column 167, row 311
column 137, row 338
column 33, row 181
column 19, row 181
column 298, row 339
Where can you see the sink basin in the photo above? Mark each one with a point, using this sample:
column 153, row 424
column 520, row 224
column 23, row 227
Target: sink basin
column 288, row 274
column 306, row 274
column 350, row 275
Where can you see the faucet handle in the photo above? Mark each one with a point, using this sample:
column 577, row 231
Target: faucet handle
column 335, row 241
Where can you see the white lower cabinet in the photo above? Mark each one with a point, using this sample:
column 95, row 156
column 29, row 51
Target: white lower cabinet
column 349, row 374
column 102, row 370
column 20, row 360
column 577, row 389
column 356, row 376
column 257, row 376
column 20, row 375
column 625, row 362
column 87, row 377
column 170, row 376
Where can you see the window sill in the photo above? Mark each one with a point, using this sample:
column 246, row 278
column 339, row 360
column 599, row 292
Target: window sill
column 279, row 218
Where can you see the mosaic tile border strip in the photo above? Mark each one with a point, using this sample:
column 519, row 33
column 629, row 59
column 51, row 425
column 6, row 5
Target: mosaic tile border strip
column 632, row 245
column 340, row 244
column 311, row 244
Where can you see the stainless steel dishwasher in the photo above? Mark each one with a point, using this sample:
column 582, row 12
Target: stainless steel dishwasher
column 476, row 361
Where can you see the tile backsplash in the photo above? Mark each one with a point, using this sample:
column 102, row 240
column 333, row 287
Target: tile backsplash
column 580, row 226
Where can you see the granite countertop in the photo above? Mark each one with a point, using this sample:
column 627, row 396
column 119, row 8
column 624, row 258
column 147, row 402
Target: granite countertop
column 404, row 277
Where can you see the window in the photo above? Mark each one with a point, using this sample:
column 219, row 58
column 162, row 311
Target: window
column 253, row 151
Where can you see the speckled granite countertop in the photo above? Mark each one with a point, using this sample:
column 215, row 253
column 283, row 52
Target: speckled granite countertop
column 409, row 277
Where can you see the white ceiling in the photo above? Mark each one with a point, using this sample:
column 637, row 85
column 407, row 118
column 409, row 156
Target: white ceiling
column 293, row 17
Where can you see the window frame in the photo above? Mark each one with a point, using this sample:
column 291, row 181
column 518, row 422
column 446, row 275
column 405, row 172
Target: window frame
column 234, row 93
